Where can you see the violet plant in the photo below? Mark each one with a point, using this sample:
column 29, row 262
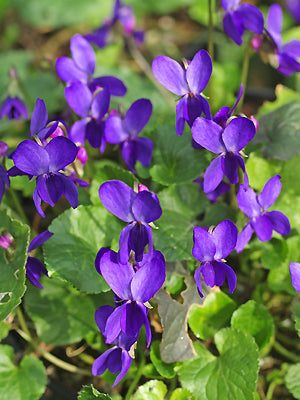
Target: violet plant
column 168, row 273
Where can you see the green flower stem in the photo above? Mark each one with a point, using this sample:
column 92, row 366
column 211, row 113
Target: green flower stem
column 22, row 322
column 51, row 358
column 145, row 67
column 18, row 205
column 137, row 377
column 244, row 77
column 286, row 353
column 173, row 385
column 210, row 47
column 287, row 340
column 272, row 386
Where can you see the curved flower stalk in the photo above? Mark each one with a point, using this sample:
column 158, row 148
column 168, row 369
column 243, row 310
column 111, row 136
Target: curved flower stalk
column 210, row 248
column 4, row 178
column 124, row 132
column 138, row 210
column 188, row 83
column 124, row 15
column 13, row 108
column 227, row 142
column 133, row 288
column 263, row 222
column 92, row 108
column 45, row 163
column 118, row 358
column 81, row 67
column 34, row 267
column 239, row 17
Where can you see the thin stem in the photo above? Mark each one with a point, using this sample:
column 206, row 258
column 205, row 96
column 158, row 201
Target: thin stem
column 287, row 340
column 210, row 46
column 172, row 387
column 286, row 353
column 54, row 360
column 272, row 387
column 18, row 205
column 22, row 322
column 145, row 67
column 244, row 75
column 137, row 377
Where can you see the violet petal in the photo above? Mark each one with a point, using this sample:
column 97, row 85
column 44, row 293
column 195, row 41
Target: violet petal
column 270, row 192
column 170, row 74
column 224, row 236
column 199, row 72
column 243, row 238
column 137, row 116
column 117, row 197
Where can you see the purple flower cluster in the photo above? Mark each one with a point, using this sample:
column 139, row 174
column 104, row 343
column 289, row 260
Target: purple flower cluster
column 283, row 57
column 225, row 135
column 122, row 14
column 239, row 17
column 134, row 276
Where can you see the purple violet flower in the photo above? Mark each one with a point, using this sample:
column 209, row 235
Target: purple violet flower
column 134, row 288
column 286, row 54
column 124, row 132
column 188, row 83
column 210, row 248
column 4, row 180
column 34, row 267
column 13, row 108
column 122, row 14
column 45, row 163
column 227, row 142
column 295, row 275
column 239, row 17
column 138, row 210
column 263, row 222
column 213, row 196
column 39, row 121
column 117, row 359
column 81, row 67
column 92, row 108
column 223, row 115
column 294, row 8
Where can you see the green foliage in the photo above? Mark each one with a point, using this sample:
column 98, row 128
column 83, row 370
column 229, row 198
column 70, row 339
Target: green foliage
column 232, row 375
column 78, row 235
column 292, row 380
column 175, row 161
column 4, row 329
column 61, row 314
column 279, row 131
column 60, row 14
column 152, row 390
column 12, row 265
column 182, row 394
column 107, row 170
column 90, row 393
column 26, row 381
column 176, row 344
column 214, row 314
column 255, row 319
column 165, row 370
